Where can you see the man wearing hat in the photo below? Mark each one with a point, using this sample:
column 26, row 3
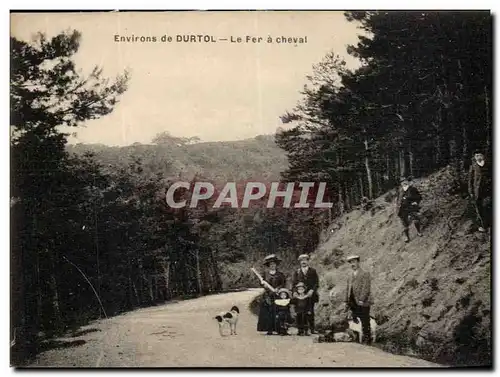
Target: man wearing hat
column 408, row 207
column 309, row 277
column 358, row 296
column 479, row 189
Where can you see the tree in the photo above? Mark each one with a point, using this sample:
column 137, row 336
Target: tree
column 47, row 92
column 419, row 101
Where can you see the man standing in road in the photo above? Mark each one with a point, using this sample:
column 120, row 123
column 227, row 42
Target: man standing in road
column 309, row 277
column 479, row 188
column 358, row 297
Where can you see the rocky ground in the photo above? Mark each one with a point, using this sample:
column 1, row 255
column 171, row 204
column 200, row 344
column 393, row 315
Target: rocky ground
column 185, row 334
column 432, row 296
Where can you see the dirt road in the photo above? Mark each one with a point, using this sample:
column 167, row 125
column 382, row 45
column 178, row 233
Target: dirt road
column 184, row 334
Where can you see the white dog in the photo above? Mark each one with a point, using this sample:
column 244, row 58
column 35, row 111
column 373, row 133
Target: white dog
column 230, row 317
column 357, row 328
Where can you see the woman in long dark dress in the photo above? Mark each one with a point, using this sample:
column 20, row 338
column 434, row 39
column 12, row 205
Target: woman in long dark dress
column 277, row 280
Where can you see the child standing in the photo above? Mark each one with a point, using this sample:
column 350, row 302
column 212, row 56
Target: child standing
column 302, row 304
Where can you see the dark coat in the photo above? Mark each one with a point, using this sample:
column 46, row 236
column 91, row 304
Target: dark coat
column 301, row 305
column 406, row 198
column 361, row 287
column 478, row 181
column 311, row 280
column 283, row 313
column 267, row 312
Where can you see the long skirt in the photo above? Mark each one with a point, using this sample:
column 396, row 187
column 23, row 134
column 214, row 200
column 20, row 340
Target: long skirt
column 267, row 316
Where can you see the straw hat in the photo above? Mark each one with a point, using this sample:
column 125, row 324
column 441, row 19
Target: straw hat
column 271, row 258
column 284, row 290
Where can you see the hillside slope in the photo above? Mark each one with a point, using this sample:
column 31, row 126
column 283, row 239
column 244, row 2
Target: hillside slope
column 432, row 296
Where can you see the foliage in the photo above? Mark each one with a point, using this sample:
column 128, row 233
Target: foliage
column 420, row 101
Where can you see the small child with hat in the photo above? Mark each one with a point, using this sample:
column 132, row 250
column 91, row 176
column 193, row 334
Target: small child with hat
column 302, row 305
column 283, row 316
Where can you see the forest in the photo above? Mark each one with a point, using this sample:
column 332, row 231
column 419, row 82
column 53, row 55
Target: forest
column 91, row 234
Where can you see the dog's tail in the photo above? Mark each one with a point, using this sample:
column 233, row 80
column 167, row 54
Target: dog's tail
column 235, row 309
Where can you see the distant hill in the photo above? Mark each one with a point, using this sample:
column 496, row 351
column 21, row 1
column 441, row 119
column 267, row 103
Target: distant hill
column 258, row 158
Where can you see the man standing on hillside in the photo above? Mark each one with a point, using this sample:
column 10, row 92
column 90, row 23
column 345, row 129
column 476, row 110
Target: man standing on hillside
column 358, row 297
column 309, row 277
column 479, row 188
column 409, row 199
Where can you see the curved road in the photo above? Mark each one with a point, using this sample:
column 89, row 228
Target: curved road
column 184, row 334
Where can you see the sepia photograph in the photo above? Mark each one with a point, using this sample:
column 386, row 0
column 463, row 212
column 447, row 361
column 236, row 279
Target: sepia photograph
column 251, row 189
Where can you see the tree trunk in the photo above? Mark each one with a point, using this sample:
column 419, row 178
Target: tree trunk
column 152, row 288
column 378, row 179
column 368, row 171
column 461, row 160
column 438, row 143
column 388, row 173
column 360, row 179
column 453, row 150
column 465, row 151
column 17, row 284
column 39, row 296
column 168, row 294
column 397, row 167
column 410, row 157
column 402, row 164
column 137, row 299
column 54, row 295
column 347, row 200
column 341, row 199
column 341, row 203
column 351, row 192
column 198, row 271
column 132, row 287
column 488, row 126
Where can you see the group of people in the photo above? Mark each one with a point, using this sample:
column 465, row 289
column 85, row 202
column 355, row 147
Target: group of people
column 279, row 302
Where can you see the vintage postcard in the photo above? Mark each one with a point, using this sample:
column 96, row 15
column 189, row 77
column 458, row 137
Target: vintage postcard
column 251, row 189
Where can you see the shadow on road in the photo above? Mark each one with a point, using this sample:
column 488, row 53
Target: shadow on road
column 58, row 344
column 76, row 334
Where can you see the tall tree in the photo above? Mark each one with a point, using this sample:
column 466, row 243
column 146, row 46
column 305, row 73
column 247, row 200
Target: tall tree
column 408, row 110
column 46, row 92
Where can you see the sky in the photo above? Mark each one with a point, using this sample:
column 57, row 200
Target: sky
column 217, row 91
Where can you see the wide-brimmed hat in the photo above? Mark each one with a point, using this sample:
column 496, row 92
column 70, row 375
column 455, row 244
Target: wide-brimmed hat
column 284, row 290
column 352, row 257
column 303, row 256
column 272, row 258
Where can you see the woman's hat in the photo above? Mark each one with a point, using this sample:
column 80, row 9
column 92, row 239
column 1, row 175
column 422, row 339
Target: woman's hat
column 303, row 256
column 352, row 257
column 271, row 258
column 300, row 284
column 284, row 290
